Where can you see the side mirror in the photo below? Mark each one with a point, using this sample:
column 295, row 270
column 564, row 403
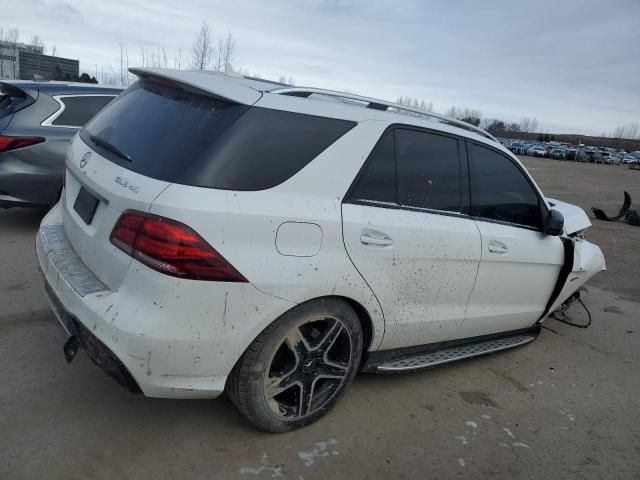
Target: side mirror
column 554, row 224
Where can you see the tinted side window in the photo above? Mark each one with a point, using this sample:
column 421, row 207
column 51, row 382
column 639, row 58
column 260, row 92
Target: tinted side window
column 263, row 149
column 79, row 110
column 428, row 170
column 499, row 190
column 186, row 137
column 378, row 180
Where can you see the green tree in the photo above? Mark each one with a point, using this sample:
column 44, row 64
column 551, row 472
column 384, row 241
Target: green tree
column 86, row 78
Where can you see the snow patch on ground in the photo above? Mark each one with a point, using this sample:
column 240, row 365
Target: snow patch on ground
column 264, row 467
column 320, row 450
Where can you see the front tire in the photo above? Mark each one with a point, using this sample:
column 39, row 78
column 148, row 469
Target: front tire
column 299, row 366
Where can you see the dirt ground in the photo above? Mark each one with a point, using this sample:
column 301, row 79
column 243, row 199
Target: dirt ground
column 565, row 406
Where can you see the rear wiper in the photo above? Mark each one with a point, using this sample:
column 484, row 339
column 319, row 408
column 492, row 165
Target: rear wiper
column 107, row 146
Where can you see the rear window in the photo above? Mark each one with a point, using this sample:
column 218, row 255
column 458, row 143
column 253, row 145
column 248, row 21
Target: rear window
column 78, row 110
column 12, row 99
column 178, row 136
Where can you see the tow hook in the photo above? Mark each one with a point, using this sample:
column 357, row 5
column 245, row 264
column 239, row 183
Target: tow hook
column 70, row 348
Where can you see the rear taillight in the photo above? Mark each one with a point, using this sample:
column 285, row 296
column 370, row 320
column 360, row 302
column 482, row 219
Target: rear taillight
column 12, row 143
column 171, row 247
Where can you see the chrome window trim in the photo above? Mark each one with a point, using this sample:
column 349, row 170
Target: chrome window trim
column 48, row 122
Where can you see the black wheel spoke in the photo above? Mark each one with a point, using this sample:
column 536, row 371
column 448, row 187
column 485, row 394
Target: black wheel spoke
column 276, row 385
column 297, row 344
column 328, row 369
column 330, row 337
column 306, row 397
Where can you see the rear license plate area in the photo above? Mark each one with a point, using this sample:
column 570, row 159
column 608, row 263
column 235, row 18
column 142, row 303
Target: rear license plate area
column 85, row 205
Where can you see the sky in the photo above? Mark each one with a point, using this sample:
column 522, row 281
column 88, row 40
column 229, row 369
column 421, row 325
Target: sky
column 572, row 64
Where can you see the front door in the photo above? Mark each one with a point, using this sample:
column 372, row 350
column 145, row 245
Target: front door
column 520, row 265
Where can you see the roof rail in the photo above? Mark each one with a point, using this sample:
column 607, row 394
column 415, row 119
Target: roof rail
column 379, row 105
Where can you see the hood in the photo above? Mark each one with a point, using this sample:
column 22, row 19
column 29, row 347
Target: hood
column 575, row 218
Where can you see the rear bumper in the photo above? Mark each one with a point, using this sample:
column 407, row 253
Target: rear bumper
column 166, row 337
column 95, row 349
column 25, row 185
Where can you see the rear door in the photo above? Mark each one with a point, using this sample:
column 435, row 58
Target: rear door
column 520, row 264
column 407, row 232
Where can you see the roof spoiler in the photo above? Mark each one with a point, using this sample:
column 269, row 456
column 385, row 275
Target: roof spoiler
column 213, row 84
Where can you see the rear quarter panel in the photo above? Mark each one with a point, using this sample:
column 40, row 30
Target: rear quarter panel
column 243, row 227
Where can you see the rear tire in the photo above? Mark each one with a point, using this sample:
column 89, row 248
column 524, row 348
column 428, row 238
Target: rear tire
column 298, row 367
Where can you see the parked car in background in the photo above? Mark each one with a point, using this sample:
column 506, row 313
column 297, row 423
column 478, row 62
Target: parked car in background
column 608, row 158
column 627, row 159
column 518, row 148
column 595, row 156
column 538, row 152
column 220, row 233
column 37, row 120
column 557, row 153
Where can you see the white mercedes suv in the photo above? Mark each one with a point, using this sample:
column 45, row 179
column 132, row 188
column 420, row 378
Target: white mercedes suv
column 223, row 233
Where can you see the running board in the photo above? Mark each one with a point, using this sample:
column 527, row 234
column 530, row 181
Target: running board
column 448, row 353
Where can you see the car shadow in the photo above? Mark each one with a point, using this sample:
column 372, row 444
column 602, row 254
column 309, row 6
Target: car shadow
column 21, row 220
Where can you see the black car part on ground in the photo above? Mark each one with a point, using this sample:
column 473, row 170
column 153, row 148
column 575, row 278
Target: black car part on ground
column 630, row 216
column 561, row 313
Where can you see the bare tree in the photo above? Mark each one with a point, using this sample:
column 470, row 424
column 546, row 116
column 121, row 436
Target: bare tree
column 11, row 37
column 229, row 52
column 38, row 43
column 162, row 55
column 39, row 48
column 122, row 47
column 177, row 59
column 202, row 49
column 528, row 124
column 54, row 51
column 124, row 62
column 466, row 114
column 627, row 132
column 218, row 57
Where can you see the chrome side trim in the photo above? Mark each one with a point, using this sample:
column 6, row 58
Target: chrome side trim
column 455, row 353
column 67, row 262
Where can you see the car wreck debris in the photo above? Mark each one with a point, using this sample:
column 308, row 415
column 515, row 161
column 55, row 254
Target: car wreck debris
column 630, row 216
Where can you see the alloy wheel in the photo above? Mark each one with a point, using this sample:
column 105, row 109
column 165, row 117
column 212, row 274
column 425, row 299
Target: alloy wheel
column 308, row 367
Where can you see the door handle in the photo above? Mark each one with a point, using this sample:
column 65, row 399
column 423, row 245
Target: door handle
column 380, row 239
column 498, row 247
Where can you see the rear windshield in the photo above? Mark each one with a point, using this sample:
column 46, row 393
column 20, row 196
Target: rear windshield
column 189, row 138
